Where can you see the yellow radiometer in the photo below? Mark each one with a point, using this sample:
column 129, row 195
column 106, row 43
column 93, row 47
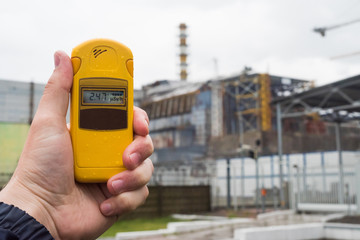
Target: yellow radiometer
column 101, row 109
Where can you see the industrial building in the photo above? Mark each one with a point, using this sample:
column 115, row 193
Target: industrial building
column 198, row 120
column 201, row 130
column 194, row 120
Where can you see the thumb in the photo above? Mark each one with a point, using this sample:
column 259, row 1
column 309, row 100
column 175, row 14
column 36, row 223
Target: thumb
column 55, row 100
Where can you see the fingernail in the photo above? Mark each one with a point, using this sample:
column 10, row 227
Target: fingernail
column 106, row 208
column 56, row 59
column 135, row 158
column 118, row 185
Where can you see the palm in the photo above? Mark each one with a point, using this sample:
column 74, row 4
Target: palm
column 61, row 188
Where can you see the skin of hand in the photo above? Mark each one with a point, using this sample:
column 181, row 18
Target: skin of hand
column 43, row 183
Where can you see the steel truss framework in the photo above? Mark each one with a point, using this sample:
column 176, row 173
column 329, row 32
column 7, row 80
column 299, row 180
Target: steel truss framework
column 245, row 91
column 341, row 96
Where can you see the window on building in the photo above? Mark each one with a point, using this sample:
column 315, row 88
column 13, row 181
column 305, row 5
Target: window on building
column 152, row 110
column 164, row 108
column 169, row 107
column 175, row 107
column 181, row 104
column 157, row 109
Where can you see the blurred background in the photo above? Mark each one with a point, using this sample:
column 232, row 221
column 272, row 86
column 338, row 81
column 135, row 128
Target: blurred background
column 253, row 105
column 274, row 37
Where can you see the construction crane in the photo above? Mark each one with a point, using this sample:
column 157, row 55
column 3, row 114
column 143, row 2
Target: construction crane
column 323, row 30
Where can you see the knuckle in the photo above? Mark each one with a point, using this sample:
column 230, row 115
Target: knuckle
column 127, row 204
column 149, row 144
column 145, row 176
column 50, row 85
column 42, row 121
column 142, row 179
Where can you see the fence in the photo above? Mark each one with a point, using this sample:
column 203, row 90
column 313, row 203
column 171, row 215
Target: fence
column 319, row 189
column 309, row 178
column 202, row 185
column 165, row 200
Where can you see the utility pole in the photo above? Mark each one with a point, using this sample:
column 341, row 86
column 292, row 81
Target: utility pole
column 31, row 103
column 228, row 177
column 280, row 153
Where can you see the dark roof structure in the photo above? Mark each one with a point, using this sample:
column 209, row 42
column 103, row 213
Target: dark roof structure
column 343, row 95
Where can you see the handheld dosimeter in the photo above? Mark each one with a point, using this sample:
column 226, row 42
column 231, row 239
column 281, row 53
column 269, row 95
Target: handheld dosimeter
column 101, row 112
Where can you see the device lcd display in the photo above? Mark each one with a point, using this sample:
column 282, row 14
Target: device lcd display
column 104, row 97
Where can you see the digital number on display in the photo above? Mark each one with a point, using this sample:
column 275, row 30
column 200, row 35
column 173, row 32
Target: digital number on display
column 103, row 97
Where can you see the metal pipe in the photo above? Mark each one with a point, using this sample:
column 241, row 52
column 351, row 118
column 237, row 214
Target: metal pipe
column 305, row 189
column 31, row 103
column 357, row 187
column 341, row 167
column 272, row 181
column 241, row 129
column 235, row 190
column 228, row 182
column 257, row 181
column 280, row 152
column 242, row 182
column 323, row 171
column 298, row 185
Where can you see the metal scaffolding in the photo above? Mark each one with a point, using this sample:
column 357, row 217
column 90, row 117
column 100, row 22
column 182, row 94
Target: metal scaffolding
column 339, row 100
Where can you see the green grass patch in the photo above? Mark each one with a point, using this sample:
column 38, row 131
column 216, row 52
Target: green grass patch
column 139, row 224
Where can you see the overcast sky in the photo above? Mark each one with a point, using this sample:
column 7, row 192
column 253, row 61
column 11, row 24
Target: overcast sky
column 270, row 36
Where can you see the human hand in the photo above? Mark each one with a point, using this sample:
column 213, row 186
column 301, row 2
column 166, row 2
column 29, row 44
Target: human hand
column 43, row 183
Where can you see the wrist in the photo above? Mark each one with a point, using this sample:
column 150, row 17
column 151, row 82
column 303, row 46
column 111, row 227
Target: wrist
column 28, row 200
column 17, row 224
